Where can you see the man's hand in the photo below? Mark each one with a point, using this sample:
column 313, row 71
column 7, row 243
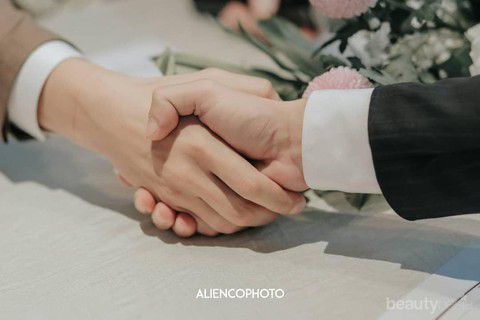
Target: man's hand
column 193, row 171
column 269, row 131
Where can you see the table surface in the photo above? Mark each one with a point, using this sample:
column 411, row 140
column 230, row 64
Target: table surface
column 73, row 246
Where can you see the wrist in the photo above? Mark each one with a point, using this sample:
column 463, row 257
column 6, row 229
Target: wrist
column 83, row 103
column 51, row 116
column 289, row 132
column 65, row 97
column 295, row 128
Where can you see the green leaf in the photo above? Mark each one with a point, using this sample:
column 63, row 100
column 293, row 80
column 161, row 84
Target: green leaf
column 298, row 58
column 166, row 62
column 351, row 27
column 288, row 89
column 288, row 40
column 266, row 49
column 199, row 63
column 286, row 30
column 378, row 77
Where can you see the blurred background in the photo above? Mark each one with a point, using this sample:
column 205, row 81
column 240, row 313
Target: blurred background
column 122, row 33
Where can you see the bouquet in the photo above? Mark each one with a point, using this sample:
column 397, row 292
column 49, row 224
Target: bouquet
column 362, row 43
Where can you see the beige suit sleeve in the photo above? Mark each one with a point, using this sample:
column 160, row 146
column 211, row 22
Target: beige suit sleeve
column 19, row 36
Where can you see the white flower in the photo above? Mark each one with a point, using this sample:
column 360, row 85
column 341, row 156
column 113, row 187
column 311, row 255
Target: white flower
column 427, row 49
column 447, row 11
column 371, row 47
column 415, row 4
column 473, row 35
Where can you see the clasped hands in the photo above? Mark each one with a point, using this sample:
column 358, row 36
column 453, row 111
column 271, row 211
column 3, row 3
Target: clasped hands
column 209, row 127
column 222, row 153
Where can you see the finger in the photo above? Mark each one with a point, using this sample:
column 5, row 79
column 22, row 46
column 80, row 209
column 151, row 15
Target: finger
column 251, row 184
column 234, row 208
column 224, row 163
column 211, row 217
column 252, row 85
column 213, row 103
column 163, row 217
column 248, row 84
column 144, row 201
column 168, row 102
column 184, row 226
column 162, row 117
column 203, row 227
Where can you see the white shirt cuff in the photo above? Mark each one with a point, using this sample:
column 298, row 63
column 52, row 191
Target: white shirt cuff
column 23, row 102
column 335, row 145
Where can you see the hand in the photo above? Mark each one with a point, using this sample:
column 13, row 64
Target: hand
column 195, row 170
column 269, row 131
column 262, row 129
column 107, row 112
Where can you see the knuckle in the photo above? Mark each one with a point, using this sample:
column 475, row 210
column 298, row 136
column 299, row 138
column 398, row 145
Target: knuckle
column 186, row 180
column 180, row 179
column 208, row 86
column 171, row 195
column 267, row 89
column 250, row 187
column 197, row 148
column 168, row 173
column 211, row 91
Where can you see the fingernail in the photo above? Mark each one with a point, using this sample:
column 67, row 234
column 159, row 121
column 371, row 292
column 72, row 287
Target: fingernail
column 298, row 208
column 152, row 127
column 140, row 208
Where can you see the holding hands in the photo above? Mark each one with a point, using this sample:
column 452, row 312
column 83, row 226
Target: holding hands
column 259, row 127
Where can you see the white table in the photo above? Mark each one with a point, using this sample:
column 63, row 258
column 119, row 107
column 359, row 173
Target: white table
column 72, row 245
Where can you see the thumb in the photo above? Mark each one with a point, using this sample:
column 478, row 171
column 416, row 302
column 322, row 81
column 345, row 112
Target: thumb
column 238, row 118
column 162, row 118
column 170, row 102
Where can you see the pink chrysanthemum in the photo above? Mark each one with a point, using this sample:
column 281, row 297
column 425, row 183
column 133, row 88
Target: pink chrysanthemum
column 338, row 78
column 342, row 8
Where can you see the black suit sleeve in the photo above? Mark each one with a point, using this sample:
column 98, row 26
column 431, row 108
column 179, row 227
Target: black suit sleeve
column 425, row 142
